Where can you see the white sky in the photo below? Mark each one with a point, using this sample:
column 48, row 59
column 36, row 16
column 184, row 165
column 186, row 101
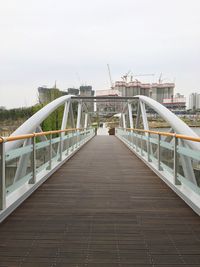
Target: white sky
column 72, row 41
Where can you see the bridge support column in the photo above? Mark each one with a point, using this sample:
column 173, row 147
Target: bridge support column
column 137, row 124
column 65, row 116
column 86, row 120
column 130, row 115
column 144, row 116
column 78, row 123
column 124, row 120
column 64, row 122
column 2, row 177
column 71, row 116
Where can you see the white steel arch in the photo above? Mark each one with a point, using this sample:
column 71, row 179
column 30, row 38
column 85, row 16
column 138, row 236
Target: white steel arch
column 176, row 124
column 34, row 121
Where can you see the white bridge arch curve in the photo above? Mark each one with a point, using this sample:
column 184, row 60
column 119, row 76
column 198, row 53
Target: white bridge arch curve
column 30, row 125
column 175, row 122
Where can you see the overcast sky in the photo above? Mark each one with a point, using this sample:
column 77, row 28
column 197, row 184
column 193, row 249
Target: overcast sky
column 72, row 41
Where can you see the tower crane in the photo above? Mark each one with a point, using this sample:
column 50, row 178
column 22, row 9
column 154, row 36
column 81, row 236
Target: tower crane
column 131, row 75
column 139, row 75
column 125, row 76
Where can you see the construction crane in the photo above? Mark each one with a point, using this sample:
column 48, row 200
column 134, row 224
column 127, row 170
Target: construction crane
column 161, row 79
column 111, row 83
column 125, row 76
column 139, row 75
column 131, row 75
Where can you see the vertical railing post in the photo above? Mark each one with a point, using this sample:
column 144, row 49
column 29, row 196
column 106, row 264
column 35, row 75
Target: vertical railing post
column 148, row 147
column 132, row 142
column 70, row 144
column 158, row 151
column 79, row 137
column 176, row 181
column 60, row 147
column 141, row 145
column 84, row 135
column 136, row 141
column 50, row 151
column 128, row 137
column 73, row 139
column 33, row 179
column 67, row 144
column 2, row 176
column 77, row 131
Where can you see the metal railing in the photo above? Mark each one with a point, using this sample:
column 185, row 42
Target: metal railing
column 171, row 156
column 23, row 169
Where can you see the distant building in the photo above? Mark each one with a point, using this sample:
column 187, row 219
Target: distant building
column 161, row 91
column 176, row 103
column 132, row 88
column 86, row 90
column 47, row 95
column 194, row 101
column 73, row 91
column 157, row 91
column 106, row 107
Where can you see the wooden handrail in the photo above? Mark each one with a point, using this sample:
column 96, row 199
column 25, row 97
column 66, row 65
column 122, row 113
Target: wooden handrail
column 26, row 136
column 180, row 136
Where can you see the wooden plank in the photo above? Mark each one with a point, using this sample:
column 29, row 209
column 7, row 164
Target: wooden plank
column 104, row 207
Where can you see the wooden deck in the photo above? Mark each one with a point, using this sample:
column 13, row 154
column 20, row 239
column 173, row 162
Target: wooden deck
column 103, row 208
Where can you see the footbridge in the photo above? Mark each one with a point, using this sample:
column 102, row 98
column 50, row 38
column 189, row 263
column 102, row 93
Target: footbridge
column 70, row 197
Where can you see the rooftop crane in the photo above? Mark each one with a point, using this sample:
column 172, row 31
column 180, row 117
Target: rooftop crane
column 125, row 76
column 129, row 73
column 139, row 75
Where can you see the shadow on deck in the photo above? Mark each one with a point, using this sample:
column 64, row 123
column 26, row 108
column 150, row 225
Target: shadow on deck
column 104, row 207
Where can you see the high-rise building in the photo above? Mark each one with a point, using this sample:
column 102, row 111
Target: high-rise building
column 161, row 91
column 176, row 103
column 194, row 101
column 86, row 90
column 73, row 91
column 47, row 95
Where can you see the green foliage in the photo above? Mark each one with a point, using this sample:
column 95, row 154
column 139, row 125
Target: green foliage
column 16, row 113
column 53, row 122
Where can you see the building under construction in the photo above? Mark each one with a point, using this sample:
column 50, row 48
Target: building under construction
column 157, row 91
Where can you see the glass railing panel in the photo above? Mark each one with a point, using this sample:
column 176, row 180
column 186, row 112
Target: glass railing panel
column 42, row 155
column 188, row 164
column 18, row 165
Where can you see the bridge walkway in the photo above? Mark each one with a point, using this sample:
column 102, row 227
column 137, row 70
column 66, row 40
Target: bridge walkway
column 103, row 207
